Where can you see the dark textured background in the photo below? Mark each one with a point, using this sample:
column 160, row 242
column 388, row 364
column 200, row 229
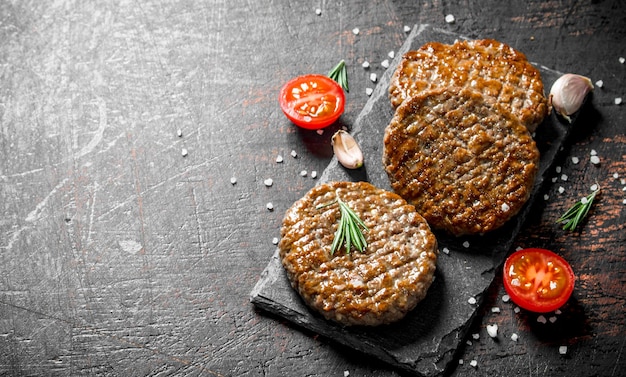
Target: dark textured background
column 119, row 256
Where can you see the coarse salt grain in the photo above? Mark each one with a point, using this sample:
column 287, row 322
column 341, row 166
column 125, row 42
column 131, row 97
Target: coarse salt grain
column 268, row 182
column 320, row 132
column 369, row 91
column 406, row 28
column 514, row 337
column 624, row 201
column 546, row 196
column 279, row 159
column 557, row 312
column 391, row 54
column 621, row 60
column 492, row 330
column 563, row 350
column 618, row 100
column 575, row 160
column 516, row 309
column 471, row 300
column 594, row 187
column 595, row 160
column 385, row 63
column 468, row 342
column 275, row 240
column 558, row 169
column 505, row 207
column 599, row 83
column 561, row 189
column 552, row 319
column 474, row 363
column 373, row 77
column 460, row 361
column 346, row 373
column 450, row 18
column 495, row 309
column 466, row 244
column 303, row 173
column 294, row 154
column 593, row 152
column 365, row 64
column 476, row 336
column 233, row 180
column 615, row 175
column 446, row 250
column 563, row 177
column 184, row 152
column 554, row 179
column 314, row 174
column 355, row 31
column 318, row 11
column 269, row 206
column 179, row 132
column 542, row 319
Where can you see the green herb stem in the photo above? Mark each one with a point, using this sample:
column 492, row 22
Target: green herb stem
column 576, row 213
column 340, row 75
column 350, row 230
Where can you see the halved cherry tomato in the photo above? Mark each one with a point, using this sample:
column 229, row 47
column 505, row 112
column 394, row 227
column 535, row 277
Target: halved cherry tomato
column 538, row 280
column 312, row 101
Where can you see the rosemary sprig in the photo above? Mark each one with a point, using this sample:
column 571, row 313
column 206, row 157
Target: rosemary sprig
column 350, row 230
column 573, row 216
column 340, row 74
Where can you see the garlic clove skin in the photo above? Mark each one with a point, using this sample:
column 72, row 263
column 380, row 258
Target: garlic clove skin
column 568, row 93
column 347, row 150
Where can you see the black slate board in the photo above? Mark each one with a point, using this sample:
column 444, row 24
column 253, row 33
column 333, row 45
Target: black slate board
column 425, row 341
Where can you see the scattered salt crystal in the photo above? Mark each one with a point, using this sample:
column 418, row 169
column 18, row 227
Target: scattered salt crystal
column 506, row 298
column 314, row 174
column 518, row 248
column 460, row 361
column 622, row 60
column 446, row 250
column 275, row 240
column 575, row 160
column 615, row 175
column 294, row 154
column 385, row 63
column 474, row 363
column 391, row 54
column 546, row 196
column 558, row 169
column 514, row 337
column 594, row 187
column 369, row 91
column 552, row 319
column 468, row 342
column 279, row 159
column 563, row 177
column 471, row 301
column 476, row 336
column 406, row 28
column 303, row 173
column 593, row 152
column 320, row 132
column 179, row 132
column 595, row 160
column 599, row 83
column 624, row 201
column 557, row 312
column 318, row 11
column 563, row 350
column 365, row 64
column 184, row 152
column 233, row 180
column 492, row 330
column 269, row 206
column 373, row 77
column 517, row 309
column 450, row 18
column 623, row 181
column 554, row 179
column 542, row 319
column 346, row 373
column 505, row 207
column 355, row 31
column 618, row 100
column 268, row 182
column 561, row 189
column 466, row 244
column 584, row 200
column 495, row 309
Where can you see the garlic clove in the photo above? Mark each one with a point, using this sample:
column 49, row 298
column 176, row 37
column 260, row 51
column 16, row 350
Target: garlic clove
column 347, row 150
column 568, row 93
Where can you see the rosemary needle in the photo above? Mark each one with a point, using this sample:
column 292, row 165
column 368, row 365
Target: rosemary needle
column 573, row 216
column 340, row 75
column 350, row 230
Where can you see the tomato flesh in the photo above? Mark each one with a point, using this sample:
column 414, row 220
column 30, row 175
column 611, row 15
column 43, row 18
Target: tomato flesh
column 538, row 280
column 312, row 101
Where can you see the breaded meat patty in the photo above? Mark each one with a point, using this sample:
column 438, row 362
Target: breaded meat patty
column 376, row 286
column 465, row 163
